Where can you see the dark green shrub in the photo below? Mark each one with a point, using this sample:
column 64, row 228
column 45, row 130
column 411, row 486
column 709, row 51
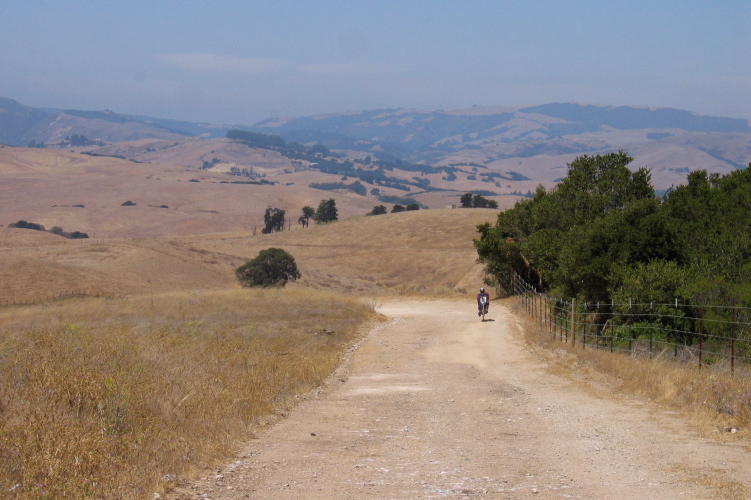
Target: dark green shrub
column 378, row 210
column 272, row 267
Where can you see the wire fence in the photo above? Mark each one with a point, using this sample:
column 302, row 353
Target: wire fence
column 25, row 301
column 718, row 335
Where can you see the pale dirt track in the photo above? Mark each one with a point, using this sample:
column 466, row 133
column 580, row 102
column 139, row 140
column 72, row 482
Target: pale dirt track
column 435, row 404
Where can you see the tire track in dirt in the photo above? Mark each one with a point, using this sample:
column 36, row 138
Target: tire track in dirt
column 436, row 404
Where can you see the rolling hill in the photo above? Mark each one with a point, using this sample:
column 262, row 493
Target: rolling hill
column 86, row 193
column 536, row 142
column 494, row 151
column 428, row 251
column 20, row 124
column 188, row 229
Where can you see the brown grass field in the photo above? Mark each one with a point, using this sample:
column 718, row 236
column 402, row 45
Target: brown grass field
column 105, row 398
column 118, row 395
column 209, row 229
column 43, row 186
column 361, row 255
column 174, row 363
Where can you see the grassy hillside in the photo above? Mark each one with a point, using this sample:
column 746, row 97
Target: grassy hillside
column 206, row 231
column 426, row 251
column 47, row 187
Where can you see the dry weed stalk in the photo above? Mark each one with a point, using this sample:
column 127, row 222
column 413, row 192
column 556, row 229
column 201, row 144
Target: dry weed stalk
column 116, row 399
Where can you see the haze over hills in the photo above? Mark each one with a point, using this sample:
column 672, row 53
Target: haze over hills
column 20, row 124
column 493, row 150
column 536, row 141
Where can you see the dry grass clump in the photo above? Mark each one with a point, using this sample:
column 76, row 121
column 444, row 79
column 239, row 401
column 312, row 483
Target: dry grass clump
column 712, row 396
column 117, row 399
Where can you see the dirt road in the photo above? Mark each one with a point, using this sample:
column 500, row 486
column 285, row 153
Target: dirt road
column 436, row 404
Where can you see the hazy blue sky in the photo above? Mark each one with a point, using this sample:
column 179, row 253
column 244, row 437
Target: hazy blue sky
column 238, row 61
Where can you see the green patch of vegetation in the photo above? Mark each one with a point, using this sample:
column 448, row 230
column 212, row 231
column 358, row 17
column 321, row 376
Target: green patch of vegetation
column 75, row 235
column 470, row 200
column 355, row 187
column 603, row 237
column 326, row 212
column 378, row 210
column 322, row 159
column 272, row 267
column 91, row 153
column 273, row 220
column 398, row 200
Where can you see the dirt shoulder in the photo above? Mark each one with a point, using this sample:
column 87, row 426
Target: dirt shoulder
column 436, row 404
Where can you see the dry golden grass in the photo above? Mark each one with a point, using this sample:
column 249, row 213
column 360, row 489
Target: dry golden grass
column 425, row 252
column 422, row 252
column 711, row 397
column 43, row 186
column 144, row 249
column 37, row 265
column 717, row 404
column 117, row 398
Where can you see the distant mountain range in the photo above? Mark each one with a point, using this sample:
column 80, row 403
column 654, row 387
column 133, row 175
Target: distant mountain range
column 414, row 130
column 20, row 124
column 503, row 133
column 534, row 141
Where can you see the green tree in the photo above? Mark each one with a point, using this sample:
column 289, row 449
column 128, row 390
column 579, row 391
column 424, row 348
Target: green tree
column 595, row 185
column 397, row 208
column 79, row 140
column 273, row 220
column 22, row 224
column 378, row 210
column 326, row 212
column 307, row 214
column 471, row 200
column 599, row 215
column 465, row 200
column 479, row 201
column 272, row 267
column 710, row 217
column 412, row 207
column 256, row 140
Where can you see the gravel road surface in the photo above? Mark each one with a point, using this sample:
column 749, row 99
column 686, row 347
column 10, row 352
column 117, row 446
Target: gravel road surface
column 435, row 403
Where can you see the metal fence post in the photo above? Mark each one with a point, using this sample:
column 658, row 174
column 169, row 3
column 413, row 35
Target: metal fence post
column 651, row 330
column 585, row 323
column 732, row 341
column 701, row 335
column 573, row 322
column 675, row 337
